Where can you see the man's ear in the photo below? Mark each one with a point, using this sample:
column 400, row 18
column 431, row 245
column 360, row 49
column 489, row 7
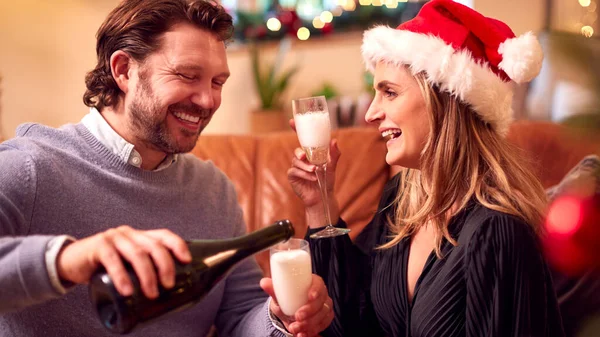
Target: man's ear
column 120, row 66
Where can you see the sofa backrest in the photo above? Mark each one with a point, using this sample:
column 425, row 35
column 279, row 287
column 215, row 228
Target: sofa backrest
column 553, row 149
column 258, row 166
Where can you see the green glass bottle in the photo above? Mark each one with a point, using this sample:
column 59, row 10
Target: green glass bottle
column 211, row 261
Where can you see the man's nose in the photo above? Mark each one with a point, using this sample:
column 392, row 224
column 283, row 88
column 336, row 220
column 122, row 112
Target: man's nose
column 203, row 97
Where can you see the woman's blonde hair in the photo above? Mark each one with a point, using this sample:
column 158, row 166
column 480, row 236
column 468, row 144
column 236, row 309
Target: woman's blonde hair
column 463, row 158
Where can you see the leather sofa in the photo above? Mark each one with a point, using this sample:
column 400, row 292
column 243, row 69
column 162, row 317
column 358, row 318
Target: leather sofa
column 258, row 164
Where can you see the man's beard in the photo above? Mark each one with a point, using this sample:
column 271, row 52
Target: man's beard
column 151, row 128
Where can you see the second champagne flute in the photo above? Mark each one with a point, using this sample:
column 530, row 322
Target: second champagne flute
column 291, row 271
column 313, row 127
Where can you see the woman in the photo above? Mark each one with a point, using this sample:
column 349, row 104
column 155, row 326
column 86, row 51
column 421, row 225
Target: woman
column 452, row 250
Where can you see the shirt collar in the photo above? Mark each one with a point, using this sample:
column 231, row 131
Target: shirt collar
column 106, row 135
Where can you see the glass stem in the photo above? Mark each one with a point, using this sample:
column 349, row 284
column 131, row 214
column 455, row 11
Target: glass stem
column 321, row 173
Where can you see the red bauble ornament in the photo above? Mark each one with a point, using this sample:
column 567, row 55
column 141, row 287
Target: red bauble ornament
column 290, row 21
column 328, row 28
column 572, row 243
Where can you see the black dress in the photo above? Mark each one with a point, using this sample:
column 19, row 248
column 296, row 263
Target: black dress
column 495, row 282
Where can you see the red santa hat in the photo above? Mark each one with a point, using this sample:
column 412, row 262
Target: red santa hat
column 464, row 53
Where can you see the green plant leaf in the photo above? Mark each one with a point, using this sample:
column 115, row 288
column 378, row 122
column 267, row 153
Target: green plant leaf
column 285, row 78
column 327, row 90
column 269, row 84
column 282, row 84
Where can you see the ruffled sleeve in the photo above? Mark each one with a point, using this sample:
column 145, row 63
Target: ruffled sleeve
column 346, row 268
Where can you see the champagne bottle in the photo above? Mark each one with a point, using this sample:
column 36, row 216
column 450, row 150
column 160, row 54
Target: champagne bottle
column 211, row 261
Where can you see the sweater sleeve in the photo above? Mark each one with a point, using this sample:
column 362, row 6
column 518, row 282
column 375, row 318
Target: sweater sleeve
column 24, row 277
column 244, row 309
column 509, row 288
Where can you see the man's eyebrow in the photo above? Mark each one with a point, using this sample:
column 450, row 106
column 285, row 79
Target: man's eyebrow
column 188, row 67
column 197, row 68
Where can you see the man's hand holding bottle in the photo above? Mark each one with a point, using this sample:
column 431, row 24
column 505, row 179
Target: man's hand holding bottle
column 142, row 249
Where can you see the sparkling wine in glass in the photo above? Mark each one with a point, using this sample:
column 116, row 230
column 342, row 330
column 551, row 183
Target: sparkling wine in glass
column 291, row 272
column 313, row 127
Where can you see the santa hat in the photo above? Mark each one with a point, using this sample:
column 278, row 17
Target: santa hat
column 464, row 53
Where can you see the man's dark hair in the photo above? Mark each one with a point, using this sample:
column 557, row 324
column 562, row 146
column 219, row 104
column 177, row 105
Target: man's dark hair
column 136, row 27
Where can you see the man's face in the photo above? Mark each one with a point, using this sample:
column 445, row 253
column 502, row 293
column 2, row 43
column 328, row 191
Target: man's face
column 175, row 92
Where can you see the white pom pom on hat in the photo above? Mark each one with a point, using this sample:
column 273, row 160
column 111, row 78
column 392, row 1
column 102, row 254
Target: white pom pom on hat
column 521, row 57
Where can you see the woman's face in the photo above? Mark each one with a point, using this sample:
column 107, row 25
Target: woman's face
column 399, row 111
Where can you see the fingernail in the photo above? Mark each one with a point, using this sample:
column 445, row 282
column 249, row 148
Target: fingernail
column 313, row 295
column 301, row 316
column 169, row 283
column 127, row 289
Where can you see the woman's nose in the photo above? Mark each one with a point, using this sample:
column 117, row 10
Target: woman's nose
column 374, row 113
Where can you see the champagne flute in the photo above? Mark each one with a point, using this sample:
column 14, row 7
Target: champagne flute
column 291, row 271
column 313, row 127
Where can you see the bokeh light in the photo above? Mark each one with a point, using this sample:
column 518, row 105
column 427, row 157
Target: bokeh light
column 273, row 24
column 317, row 23
column 349, row 6
column 303, row 33
column 564, row 216
column 587, row 31
column 326, row 17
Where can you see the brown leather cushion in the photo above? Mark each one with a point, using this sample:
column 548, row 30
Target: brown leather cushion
column 360, row 177
column 234, row 155
column 258, row 166
column 554, row 149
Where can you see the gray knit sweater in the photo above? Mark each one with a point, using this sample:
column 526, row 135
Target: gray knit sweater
column 64, row 181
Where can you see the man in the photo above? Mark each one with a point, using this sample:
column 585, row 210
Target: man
column 161, row 67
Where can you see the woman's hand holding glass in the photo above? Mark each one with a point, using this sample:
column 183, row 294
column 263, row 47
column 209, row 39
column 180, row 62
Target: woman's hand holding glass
column 304, row 182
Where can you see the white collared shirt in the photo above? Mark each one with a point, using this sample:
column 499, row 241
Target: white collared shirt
column 106, row 135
